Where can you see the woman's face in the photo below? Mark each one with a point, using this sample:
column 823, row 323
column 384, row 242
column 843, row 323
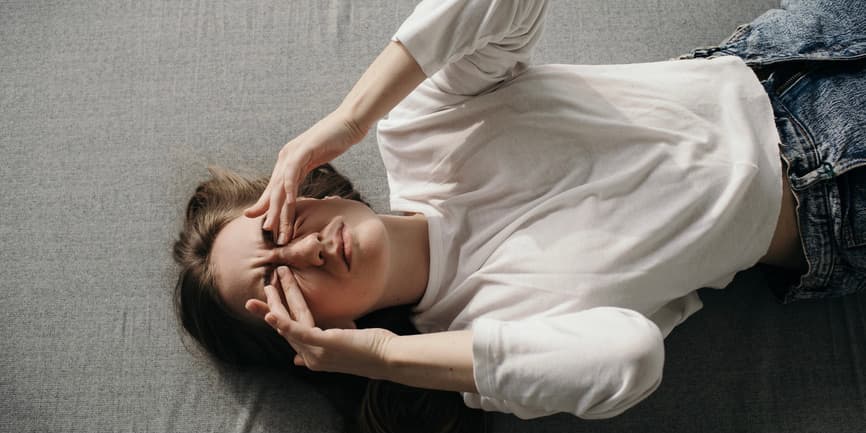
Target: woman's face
column 245, row 259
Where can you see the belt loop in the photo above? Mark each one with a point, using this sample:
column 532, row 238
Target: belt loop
column 705, row 51
column 821, row 173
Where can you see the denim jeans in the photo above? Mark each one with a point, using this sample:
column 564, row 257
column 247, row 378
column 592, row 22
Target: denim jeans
column 810, row 55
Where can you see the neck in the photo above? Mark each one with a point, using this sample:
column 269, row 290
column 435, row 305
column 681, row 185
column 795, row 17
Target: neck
column 410, row 260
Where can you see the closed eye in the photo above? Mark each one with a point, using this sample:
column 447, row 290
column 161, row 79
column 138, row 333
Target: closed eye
column 268, row 236
column 268, row 239
column 267, row 277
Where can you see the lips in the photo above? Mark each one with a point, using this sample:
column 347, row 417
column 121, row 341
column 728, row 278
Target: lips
column 341, row 244
column 347, row 246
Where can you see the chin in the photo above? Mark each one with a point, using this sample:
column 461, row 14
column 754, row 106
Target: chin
column 335, row 321
column 332, row 306
column 371, row 254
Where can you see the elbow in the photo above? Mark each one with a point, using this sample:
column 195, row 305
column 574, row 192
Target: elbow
column 647, row 355
column 640, row 359
column 646, row 363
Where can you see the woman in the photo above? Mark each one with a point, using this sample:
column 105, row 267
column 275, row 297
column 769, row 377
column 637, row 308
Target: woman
column 558, row 219
column 233, row 342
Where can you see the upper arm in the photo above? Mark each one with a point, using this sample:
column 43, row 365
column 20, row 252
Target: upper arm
column 465, row 48
column 594, row 363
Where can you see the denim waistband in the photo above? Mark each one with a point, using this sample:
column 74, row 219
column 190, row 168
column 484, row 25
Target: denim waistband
column 810, row 55
column 822, row 124
column 801, row 30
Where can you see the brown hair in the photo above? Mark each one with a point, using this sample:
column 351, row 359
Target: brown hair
column 232, row 342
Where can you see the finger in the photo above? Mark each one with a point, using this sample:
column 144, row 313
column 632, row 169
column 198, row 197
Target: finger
column 279, row 319
column 290, row 185
column 257, row 307
column 261, row 205
column 277, row 198
column 299, row 337
column 294, row 297
column 299, row 361
column 289, row 329
column 261, row 309
column 264, row 310
column 287, row 216
column 278, row 315
column 287, row 210
column 275, row 281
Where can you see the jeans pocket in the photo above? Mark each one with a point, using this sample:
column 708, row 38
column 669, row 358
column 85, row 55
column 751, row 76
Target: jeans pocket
column 852, row 195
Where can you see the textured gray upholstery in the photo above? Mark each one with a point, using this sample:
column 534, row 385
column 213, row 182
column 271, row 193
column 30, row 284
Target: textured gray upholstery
column 110, row 112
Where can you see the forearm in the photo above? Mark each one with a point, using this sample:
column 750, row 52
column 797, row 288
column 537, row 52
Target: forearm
column 392, row 76
column 441, row 360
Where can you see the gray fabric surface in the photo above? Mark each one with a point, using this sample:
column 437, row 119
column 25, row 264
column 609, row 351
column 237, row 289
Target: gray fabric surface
column 110, row 112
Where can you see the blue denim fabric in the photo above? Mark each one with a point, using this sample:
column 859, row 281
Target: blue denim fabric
column 810, row 55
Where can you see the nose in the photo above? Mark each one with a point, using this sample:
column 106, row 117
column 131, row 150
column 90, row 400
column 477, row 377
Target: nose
column 304, row 252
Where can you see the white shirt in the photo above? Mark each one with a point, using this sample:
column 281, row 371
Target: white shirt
column 573, row 210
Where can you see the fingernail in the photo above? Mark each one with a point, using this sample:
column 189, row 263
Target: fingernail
column 282, row 239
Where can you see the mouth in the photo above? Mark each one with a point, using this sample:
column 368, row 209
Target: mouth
column 343, row 245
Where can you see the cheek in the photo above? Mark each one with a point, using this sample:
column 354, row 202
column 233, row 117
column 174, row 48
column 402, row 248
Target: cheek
column 321, row 292
column 331, row 299
column 373, row 243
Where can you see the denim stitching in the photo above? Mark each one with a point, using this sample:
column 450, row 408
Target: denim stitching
column 738, row 34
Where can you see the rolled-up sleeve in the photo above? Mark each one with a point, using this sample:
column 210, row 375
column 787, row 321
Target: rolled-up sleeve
column 466, row 46
column 593, row 364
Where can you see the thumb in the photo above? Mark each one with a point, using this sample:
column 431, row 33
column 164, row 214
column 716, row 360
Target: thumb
column 261, row 206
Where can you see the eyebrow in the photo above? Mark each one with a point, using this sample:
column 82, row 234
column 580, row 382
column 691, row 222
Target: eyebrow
column 267, row 237
column 266, row 277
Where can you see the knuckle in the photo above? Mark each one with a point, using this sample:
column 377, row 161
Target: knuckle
column 307, row 339
column 314, row 362
column 302, row 311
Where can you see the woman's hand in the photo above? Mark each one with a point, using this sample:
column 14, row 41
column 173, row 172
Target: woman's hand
column 385, row 83
column 326, row 140
column 353, row 351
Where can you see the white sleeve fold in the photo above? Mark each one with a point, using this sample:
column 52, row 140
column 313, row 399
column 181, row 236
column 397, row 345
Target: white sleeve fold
column 467, row 46
column 593, row 364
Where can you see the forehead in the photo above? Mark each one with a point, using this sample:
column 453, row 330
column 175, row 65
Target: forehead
column 237, row 258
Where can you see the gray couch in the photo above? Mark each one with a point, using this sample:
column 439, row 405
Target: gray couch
column 110, row 112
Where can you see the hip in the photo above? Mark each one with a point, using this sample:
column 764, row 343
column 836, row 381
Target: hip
column 786, row 247
column 810, row 56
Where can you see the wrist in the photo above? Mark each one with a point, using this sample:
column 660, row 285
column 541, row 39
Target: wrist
column 441, row 360
column 356, row 128
column 390, row 358
column 392, row 76
column 381, row 367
